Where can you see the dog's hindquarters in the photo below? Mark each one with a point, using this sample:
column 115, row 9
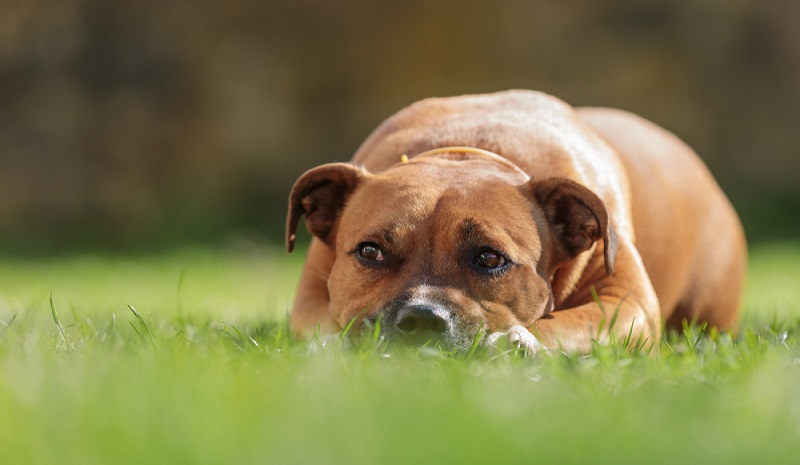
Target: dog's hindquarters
column 690, row 238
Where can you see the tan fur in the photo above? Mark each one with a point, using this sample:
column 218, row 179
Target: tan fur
column 679, row 250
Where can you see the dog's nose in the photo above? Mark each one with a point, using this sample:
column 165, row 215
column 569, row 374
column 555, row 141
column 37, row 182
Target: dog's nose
column 422, row 320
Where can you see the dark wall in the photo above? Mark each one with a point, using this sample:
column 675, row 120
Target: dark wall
column 132, row 123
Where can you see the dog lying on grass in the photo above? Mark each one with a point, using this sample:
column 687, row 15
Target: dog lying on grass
column 542, row 225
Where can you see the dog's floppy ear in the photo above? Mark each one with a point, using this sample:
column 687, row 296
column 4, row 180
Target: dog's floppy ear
column 577, row 216
column 320, row 194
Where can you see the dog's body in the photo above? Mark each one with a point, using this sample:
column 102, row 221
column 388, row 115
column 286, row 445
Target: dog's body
column 523, row 214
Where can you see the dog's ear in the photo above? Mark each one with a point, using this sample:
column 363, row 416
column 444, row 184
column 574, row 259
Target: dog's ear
column 576, row 215
column 320, row 194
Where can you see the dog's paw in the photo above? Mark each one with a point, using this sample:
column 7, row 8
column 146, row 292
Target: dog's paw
column 518, row 339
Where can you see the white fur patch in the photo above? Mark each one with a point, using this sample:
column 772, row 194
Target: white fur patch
column 518, row 337
column 419, row 295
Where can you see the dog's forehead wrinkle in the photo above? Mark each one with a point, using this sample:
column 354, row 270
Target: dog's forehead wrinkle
column 413, row 200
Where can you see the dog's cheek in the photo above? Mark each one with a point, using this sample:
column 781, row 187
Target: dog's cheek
column 472, row 311
column 353, row 294
column 499, row 317
column 534, row 298
column 518, row 301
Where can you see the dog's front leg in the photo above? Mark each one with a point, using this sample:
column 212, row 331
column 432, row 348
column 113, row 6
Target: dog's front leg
column 310, row 312
column 623, row 304
column 575, row 329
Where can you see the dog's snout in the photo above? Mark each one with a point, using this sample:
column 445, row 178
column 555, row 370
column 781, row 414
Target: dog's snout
column 422, row 320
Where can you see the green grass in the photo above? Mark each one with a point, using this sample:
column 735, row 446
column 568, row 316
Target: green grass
column 207, row 373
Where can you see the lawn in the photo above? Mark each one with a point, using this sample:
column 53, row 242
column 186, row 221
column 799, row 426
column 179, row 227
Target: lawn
column 207, row 373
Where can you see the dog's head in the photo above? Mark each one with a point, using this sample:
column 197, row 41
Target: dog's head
column 449, row 242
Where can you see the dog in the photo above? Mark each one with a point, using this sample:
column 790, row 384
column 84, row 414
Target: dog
column 517, row 216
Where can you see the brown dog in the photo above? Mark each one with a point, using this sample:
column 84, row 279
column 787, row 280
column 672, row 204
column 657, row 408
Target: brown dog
column 522, row 215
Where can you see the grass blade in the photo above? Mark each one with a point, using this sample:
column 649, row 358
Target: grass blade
column 376, row 332
column 476, row 341
column 179, row 294
column 60, row 327
column 143, row 325
column 241, row 335
column 347, row 328
column 10, row 322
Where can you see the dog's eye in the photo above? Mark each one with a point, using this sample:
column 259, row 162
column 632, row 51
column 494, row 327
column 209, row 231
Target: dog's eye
column 490, row 260
column 370, row 251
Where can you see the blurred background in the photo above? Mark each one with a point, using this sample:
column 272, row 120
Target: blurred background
column 141, row 124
